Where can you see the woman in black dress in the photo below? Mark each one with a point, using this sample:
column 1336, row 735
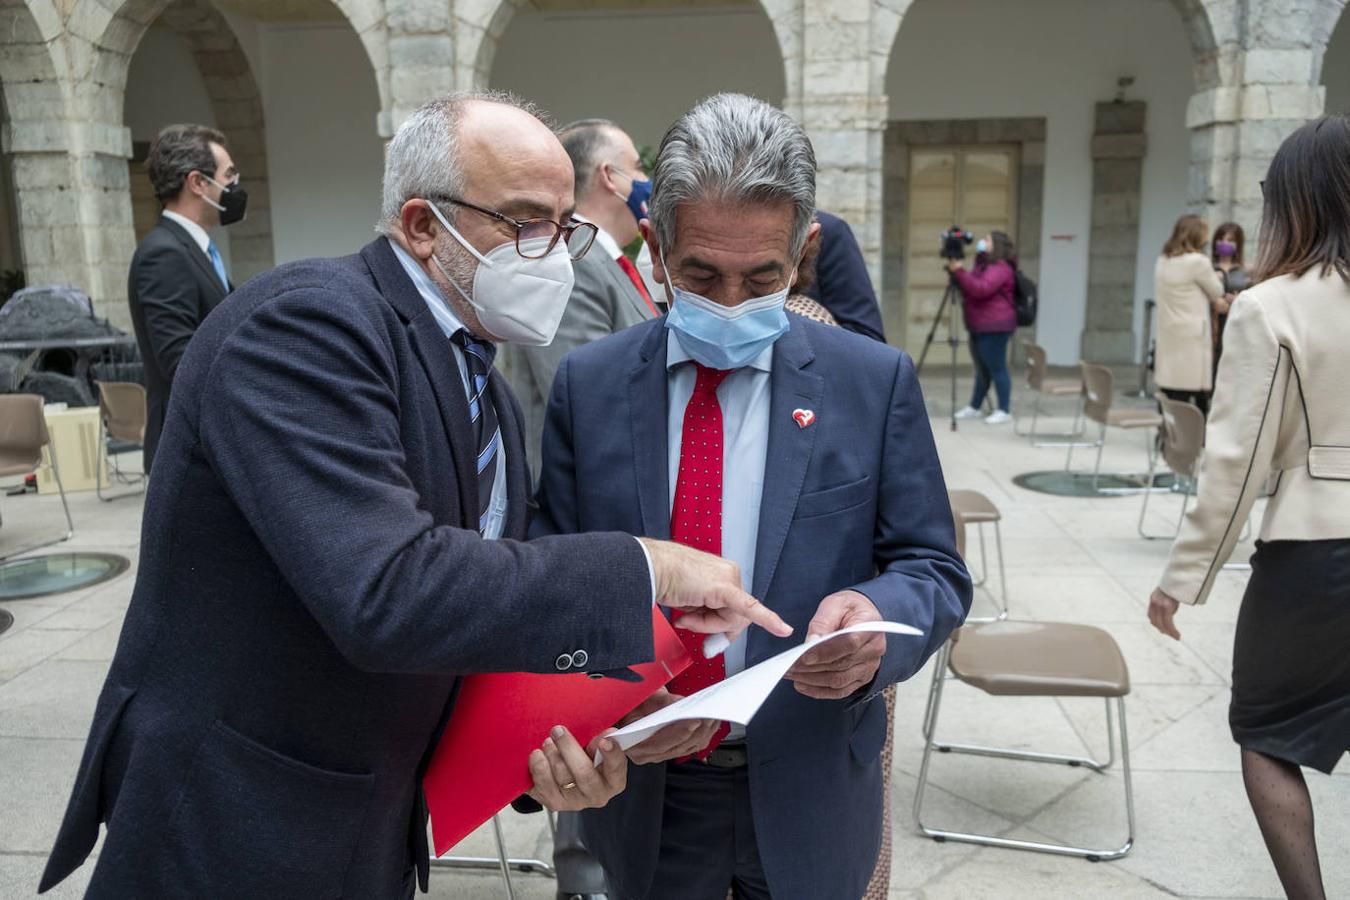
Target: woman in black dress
column 1282, row 408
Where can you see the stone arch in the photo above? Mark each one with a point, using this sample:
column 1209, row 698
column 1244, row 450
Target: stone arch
column 1205, row 44
column 1325, row 18
column 480, row 24
column 367, row 19
column 237, row 106
column 35, row 141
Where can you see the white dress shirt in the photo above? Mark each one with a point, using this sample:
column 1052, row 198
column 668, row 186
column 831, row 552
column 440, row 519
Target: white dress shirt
column 450, row 323
column 744, row 398
column 197, row 232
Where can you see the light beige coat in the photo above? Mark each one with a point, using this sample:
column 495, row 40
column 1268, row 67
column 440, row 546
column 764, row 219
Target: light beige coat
column 1281, row 413
column 1184, row 287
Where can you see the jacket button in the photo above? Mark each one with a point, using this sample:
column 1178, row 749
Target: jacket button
column 580, row 658
column 564, row 662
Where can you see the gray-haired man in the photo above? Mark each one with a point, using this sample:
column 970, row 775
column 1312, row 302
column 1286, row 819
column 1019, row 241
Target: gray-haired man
column 800, row 452
column 332, row 539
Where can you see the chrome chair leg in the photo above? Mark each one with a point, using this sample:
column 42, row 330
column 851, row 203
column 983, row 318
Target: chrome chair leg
column 61, row 489
column 1097, row 469
column 1002, row 572
column 984, row 560
column 1065, row 440
column 501, row 862
column 501, row 857
column 1088, row 853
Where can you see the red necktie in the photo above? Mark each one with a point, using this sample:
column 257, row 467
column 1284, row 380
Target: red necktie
column 696, row 519
column 627, row 265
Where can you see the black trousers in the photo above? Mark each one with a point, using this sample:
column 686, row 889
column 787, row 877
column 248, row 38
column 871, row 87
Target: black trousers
column 707, row 837
column 1199, row 398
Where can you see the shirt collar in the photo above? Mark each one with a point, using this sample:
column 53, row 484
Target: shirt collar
column 440, row 310
column 676, row 355
column 603, row 238
column 197, row 232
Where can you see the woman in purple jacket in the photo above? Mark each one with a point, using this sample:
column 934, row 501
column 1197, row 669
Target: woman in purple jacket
column 991, row 318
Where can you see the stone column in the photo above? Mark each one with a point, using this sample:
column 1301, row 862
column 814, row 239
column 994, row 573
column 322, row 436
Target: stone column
column 1118, row 148
column 421, row 55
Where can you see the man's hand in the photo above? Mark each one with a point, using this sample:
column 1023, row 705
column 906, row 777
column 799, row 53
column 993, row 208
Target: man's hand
column 707, row 589
column 675, row 740
column 1161, row 609
column 566, row 779
column 836, row 669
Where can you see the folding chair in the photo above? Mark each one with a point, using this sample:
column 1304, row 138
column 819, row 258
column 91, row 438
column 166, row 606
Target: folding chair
column 1183, row 440
column 121, row 421
column 1043, row 386
column 1026, row 659
column 976, row 509
column 501, row 862
column 23, row 434
column 1098, row 394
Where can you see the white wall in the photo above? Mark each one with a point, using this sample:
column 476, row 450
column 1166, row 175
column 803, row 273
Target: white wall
column 640, row 68
column 165, row 87
column 324, row 156
column 1336, row 68
column 957, row 59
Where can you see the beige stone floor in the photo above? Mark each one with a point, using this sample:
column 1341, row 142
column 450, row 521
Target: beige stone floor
column 1072, row 560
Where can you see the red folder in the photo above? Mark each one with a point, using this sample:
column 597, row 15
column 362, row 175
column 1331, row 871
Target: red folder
column 482, row 761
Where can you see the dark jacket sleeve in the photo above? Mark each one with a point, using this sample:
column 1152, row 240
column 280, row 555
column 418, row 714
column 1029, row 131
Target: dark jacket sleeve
column 168, row 296
column 922, row 581
column 984, row 283
column 842, row 284
column 302, row 422
column 557, row 496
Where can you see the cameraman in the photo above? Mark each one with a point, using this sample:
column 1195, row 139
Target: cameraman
column 991, row 319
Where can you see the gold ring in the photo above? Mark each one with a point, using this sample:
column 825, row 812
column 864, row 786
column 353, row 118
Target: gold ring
column 569, row 785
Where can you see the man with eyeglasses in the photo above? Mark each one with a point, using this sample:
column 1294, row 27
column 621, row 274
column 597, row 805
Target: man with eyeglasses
column 177, row 274
column 333, row 537
column 609, row 294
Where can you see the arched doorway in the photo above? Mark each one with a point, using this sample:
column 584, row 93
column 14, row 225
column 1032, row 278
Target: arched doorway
column 1088, row 188
column 641, row 66
column 1336, row 68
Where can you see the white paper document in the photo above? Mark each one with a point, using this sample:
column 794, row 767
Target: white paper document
column 739, row 697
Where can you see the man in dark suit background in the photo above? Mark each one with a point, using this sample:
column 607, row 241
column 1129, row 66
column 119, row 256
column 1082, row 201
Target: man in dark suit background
column 177, row 274
column 842, row 284
column 332, row 538
column 609, row 294
column 802, row 453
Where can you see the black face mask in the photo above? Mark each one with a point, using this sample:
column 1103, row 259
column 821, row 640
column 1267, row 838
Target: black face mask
column 233, row 203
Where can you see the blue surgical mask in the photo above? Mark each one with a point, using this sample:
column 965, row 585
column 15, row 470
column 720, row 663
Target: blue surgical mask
column 637, row 197
column 722, row 337
column 981, row 246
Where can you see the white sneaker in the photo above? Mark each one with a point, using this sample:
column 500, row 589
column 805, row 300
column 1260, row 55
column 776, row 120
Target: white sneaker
column 969, row 412
column 997, row 417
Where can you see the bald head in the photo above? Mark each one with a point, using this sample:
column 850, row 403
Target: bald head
column 478, row 147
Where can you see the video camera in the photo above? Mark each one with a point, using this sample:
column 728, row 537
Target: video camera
column 953, row 242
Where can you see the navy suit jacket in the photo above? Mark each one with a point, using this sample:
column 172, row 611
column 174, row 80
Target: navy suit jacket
column 842, row 284
column 311, row 585
column 855, row 500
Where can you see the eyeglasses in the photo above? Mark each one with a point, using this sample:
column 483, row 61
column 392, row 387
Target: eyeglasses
column 578, row 236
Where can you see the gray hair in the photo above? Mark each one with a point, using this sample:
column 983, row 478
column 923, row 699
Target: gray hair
column 731, row 147
column 587, row 141
column 422, row 158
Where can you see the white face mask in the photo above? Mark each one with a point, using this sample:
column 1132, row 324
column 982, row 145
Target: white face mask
column 517, row 299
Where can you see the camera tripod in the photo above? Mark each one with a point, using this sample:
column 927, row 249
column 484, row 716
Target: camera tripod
column 951, row 298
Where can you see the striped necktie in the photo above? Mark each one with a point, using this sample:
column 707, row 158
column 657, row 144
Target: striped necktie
column 478, row 357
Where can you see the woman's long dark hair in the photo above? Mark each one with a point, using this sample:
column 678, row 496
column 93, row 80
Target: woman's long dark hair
column 1233, row 233
column 1306, row 220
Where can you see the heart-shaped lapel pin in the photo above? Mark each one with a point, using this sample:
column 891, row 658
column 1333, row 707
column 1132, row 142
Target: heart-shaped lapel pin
column 803, row 417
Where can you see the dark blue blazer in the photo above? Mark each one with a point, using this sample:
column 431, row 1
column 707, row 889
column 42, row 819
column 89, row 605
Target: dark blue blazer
column 310, row 588
column 855, row 500
column 842, row 284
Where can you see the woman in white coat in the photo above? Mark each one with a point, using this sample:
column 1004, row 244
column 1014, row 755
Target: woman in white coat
column 1188, row 292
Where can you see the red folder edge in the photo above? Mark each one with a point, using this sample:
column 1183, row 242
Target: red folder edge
column 482, row 760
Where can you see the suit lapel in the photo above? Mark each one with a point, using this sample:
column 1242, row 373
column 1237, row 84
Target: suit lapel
column 792, row 387
column 433, row 351
column 627, row 289
column 199, row 258
column 648, row 403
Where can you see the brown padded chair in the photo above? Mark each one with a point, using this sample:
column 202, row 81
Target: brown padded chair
column 122, row 415
column 1099, row 387
column 976, row 509
column 23, row 434
column 1031, row 659
column 1044, row 386
column 1183, row 441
